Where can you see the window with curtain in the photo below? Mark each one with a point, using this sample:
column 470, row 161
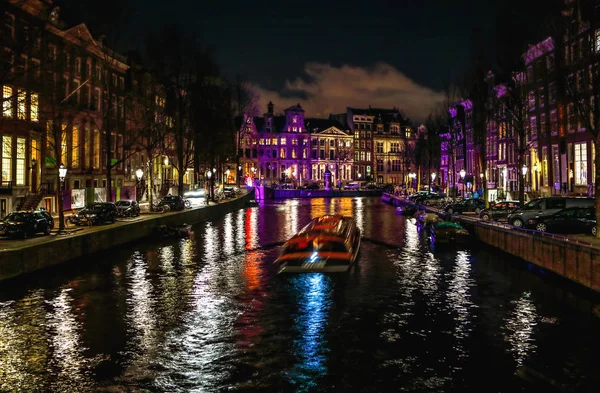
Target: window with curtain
column 6, row 158
column 21, row 161
column 581, row 164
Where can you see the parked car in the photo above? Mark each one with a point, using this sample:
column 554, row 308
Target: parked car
column 174, row 202
column 389, row 188
column 475, row 205
column 370, row 186
column 417, row 195
column 128, row 208
column 544, row 206
column 426, row 199
column 96, row 213
column 311, row 186
column 499, row 210
column 569, row 220
column 25, row 224
column 353, row 185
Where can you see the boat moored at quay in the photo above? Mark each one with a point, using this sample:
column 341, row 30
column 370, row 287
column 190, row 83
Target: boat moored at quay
column 329, row 243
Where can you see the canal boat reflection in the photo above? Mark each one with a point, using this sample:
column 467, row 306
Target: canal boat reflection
column 312, row 292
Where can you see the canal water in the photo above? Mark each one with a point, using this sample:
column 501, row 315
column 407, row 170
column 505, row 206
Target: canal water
column 210, row 314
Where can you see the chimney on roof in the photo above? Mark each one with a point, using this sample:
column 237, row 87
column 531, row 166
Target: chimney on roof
column 270, row 108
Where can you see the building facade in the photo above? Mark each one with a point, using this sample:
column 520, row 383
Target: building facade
column 62, row 91
column 371, row 144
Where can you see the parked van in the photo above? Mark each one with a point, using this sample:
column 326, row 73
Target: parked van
column 524, row 217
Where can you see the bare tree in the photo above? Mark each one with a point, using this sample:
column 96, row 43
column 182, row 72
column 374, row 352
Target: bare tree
column 185, row 68
column 477, row 89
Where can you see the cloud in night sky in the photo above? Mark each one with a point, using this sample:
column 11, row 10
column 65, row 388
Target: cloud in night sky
column 329, row 89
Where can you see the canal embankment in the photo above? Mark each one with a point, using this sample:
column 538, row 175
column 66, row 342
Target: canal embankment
column 571, row 257
column 31, row 257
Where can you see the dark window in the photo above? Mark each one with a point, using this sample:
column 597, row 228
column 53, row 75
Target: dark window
column 555, row 203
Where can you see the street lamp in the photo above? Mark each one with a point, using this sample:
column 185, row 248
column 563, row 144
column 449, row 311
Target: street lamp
column 62, row 173
column 524, row 170
column 139, row 190
column 412, row 177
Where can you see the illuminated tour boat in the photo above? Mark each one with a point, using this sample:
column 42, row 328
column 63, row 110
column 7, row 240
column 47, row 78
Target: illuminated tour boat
column 328, row 243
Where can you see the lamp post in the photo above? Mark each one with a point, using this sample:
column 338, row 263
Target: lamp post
column 536, row 168
column 139, row 173
column 462, row 174
column 412, row 177
column 62, row 173
column 209, row 187
column 239, row 175
column 524, row 173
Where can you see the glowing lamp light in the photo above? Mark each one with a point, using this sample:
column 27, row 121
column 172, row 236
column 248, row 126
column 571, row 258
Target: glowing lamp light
column 524, row 170
column 214, row 170
column 462, row 173
column 209, row 173
column 433, row 176
column 62, row 172
column 535, row 167
column 139, row 173
column 504, row 172
column 481, row 175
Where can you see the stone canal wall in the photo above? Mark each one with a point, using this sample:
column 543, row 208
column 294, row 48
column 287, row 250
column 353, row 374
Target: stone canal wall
column 36, row 256
column 576, row 261
column 571, row 258
column 287, row 194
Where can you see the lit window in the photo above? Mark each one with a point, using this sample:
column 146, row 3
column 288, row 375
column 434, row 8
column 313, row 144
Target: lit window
column 282, row 141
column 7, row 107
column 282, row 153
column 6, row 158
column 275, row 141
column 63, row 145
column 21, row 105
column 580, row 164
column 20, row 161
column 598, row 40
column 75, row 147
column 295, row 120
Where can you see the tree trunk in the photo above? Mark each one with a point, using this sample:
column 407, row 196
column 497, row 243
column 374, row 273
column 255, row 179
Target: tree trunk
column 150, row 185
column 597, row 181
column 521, row 181
column 180, row 174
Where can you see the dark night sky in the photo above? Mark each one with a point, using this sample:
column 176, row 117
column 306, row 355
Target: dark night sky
column 421, row 44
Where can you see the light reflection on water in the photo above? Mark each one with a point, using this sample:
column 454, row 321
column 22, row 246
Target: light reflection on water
column 209, row 314
column 313, row 300
column 520, row 325
column 460, row 302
